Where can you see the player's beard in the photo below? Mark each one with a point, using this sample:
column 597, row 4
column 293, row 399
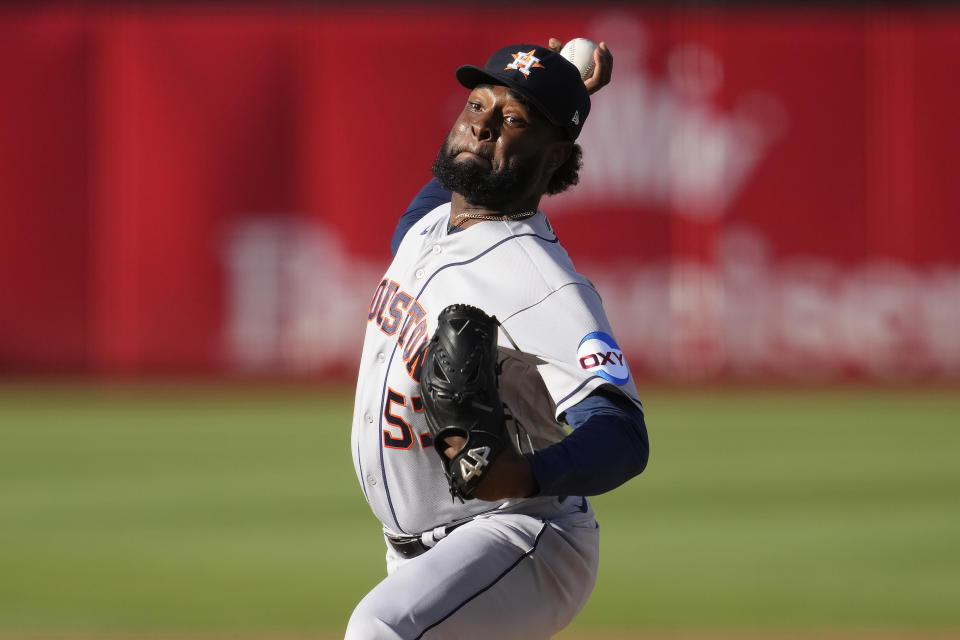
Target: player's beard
column 478, row 185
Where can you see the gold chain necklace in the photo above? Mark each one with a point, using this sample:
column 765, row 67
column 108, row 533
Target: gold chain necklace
column 479, row 216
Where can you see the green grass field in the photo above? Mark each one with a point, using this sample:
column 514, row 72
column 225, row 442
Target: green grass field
column 219, row 511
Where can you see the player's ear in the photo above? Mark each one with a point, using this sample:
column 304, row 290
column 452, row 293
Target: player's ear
column 557, row 153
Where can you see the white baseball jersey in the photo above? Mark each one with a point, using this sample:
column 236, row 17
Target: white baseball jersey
column 564, row 349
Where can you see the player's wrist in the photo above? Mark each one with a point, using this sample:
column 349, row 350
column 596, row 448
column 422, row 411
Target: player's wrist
column 510, row 476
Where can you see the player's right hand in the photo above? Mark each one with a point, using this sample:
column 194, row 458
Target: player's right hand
column 602, row 65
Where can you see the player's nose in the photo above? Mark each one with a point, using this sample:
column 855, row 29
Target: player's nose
column 484, row 126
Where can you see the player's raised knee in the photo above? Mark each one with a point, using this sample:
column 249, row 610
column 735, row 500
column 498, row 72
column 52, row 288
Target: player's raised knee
column 366, row 625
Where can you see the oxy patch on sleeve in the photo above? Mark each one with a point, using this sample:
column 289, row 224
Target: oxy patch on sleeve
column 600, row 355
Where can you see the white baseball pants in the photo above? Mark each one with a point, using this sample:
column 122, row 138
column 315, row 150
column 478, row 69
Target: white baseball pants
column 500, row 576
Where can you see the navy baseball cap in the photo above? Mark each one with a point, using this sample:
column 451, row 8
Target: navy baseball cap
column 544, row 77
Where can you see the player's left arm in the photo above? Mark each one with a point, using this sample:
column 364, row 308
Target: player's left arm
column 609, row 445
column 593, row 393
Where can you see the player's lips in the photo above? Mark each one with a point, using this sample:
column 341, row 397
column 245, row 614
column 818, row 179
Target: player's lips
column 473, row 156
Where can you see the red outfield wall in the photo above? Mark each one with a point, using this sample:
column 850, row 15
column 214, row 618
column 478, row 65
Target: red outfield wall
column 212, row 190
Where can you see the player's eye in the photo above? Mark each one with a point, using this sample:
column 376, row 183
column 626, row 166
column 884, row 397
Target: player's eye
column 474, row 106
column 514, row 121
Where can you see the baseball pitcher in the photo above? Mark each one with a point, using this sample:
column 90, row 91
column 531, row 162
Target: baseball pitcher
column 492, row 396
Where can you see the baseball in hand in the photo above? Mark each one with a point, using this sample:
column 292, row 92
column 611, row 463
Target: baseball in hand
column 579, row 51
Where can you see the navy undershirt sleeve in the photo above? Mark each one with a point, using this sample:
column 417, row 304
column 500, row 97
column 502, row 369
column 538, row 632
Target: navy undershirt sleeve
column 431, row 196
column 608, row 446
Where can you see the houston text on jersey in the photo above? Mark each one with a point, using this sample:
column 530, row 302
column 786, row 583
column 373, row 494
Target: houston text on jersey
column 397, row 313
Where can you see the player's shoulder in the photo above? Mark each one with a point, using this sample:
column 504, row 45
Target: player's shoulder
column 429, row 226
column 434, row 218
column 544, row 254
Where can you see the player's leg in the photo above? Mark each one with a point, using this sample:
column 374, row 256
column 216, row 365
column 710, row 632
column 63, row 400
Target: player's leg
column 507, row 576
column 539, row 597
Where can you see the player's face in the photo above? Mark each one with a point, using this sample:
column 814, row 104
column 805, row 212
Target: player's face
column 500, row 150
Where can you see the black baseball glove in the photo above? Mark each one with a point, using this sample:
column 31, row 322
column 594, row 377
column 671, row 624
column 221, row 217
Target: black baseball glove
column 458, row 385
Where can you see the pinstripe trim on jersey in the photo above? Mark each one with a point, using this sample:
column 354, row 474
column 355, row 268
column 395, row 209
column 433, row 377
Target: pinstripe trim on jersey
column 363, row 485
column 579, row 387
column 383, row 391
column 553, row 240
column 383, row 468
column 500, row 577
column 541, row 300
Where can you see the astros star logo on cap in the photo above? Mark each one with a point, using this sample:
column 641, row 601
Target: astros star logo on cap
column 524, row 62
